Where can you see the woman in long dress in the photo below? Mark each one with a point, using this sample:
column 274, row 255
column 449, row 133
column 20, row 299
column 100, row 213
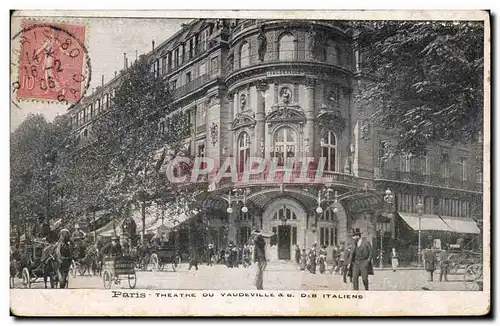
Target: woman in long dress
column 394, row 259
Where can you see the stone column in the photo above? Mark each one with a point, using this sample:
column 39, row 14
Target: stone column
column 260, row 116
column 310, row 113
column 230, row 119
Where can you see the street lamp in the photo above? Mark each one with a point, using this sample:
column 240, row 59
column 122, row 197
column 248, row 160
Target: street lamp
column 420, row 211
column 389, row 199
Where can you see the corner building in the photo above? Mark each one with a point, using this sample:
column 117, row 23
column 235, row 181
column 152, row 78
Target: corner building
column 285, row 90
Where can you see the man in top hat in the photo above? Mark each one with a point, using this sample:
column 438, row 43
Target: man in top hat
column 260, row 258
column 360, row 260
column 210, row 254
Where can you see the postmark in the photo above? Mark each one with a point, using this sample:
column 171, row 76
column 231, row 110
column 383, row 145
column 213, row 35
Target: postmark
column 53, row 62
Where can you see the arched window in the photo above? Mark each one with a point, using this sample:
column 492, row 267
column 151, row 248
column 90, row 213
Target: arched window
column 285, row 145
column 284, row 213
column 243, row 151
column 244, row 55
column 332, row 53
column 329, row 151
column 286, row 47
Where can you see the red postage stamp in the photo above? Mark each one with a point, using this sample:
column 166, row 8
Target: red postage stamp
column 51, row 61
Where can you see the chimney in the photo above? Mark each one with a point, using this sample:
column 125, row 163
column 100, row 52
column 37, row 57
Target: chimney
column 115, row 73
column 93, row 90
column 102, row 80
column 153, row 43
column 135, row 55
column 124, row 61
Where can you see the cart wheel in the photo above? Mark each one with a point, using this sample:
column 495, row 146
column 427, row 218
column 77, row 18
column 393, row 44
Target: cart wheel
column 176, row 263
column 82, row 268
column 106, row 277
column 132, row 280
column 154, row 261
column 473, row 278
column 26, row 278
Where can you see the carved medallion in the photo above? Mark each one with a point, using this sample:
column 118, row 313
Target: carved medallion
column 286, row 95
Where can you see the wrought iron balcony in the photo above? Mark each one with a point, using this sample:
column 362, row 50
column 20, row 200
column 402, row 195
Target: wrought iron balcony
column 195, row 84
column 434, row 179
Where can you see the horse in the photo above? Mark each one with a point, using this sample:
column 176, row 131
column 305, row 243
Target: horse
column 57, row 259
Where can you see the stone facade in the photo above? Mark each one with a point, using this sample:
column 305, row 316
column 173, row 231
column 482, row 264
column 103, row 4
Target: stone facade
column 285, row 90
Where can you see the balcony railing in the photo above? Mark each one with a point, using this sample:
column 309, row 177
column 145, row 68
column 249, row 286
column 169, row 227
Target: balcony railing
column 434, row 179
column 195, row 84
column 328, row 56
column 295, row 176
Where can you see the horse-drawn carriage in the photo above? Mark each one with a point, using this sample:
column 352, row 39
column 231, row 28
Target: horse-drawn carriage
column 116, row 267
column 34, row 268
column 86, row 259
column 470, row 263
column 165, row 254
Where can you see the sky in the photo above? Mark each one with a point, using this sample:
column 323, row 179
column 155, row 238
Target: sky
column 106, row 40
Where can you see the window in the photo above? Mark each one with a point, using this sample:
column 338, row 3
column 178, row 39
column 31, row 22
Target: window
column 85, row 133
column 285, row 143
column 329, row 151
column 445, row 166
column 382, row 150
column 327, row 236
column 91, row 110
column 202, row 69
column 286, row 47
column 176, row 57
column 332, row 53
column 244, row 55
column 243, row 151
column 462, row 162
column 201, row 150
column 188, row 77
column 204, row 39
column 215, row 65
column 284, row 213
column 169, row 60
column 426, row 163
column 162, row 127
column 202, row 112
column 294, row 235
column 190, row 49
column 173, row 84
column 405, row 163
column 164, row 65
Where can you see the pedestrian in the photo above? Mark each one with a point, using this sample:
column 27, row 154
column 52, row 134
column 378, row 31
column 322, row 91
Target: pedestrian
column 444, row 265
column 345, row 271
column 340, row 259
column 360, row 260
column 430, row 262
column 394, row 259
column 193, row 259
column 322, row 259
column 303, row 260
column 297, row 254
column 210, row 254
column 312, row 259
column 260, row 259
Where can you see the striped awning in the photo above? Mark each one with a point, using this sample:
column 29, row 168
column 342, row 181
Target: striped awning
column 432, row 222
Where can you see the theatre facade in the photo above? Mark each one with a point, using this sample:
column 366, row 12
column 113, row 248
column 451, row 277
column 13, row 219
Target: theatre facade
column 284, row 91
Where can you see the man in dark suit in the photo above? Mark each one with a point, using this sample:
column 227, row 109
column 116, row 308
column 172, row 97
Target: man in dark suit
column 360, row 260
column 260, row 258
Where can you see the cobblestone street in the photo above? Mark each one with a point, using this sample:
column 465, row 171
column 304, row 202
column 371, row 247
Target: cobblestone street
column 278, row 276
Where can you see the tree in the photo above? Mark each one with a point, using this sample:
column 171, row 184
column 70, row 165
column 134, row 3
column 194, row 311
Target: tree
column 35, row 175
column 426, row 80
column 132, row 138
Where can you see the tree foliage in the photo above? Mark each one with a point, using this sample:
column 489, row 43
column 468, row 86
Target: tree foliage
column 427, row 80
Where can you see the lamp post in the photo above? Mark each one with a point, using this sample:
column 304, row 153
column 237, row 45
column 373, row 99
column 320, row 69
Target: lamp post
column 324, row 196
column 389, row 199
column 237, row 195
column 420, row 211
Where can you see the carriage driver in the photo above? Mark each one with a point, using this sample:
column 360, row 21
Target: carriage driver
column 112, row 249
column 78, row 236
